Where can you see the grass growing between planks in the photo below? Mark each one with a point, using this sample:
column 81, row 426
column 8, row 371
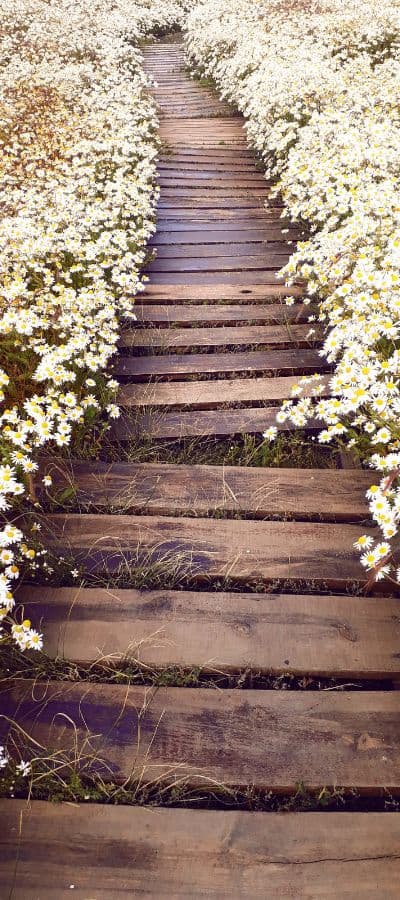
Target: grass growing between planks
column 83, row 775
column 293, row 450
column 129, row 669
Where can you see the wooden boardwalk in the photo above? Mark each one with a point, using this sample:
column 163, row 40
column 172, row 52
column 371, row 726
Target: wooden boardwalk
column 250, row 570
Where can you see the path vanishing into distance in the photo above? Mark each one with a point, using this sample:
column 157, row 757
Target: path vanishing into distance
column 271, row 674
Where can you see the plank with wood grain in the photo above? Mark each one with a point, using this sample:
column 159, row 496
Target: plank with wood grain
column 271, row 740
column 223, row 250
column 177, row 237
column 259, row 492
column 176, row 365
column 236, row 277
column 239, row 293
column 288, row 334
column 247, row 551
column 211, row 394
column 111, row 852
column 220, row 314
column 155, row 424
column 312, row 635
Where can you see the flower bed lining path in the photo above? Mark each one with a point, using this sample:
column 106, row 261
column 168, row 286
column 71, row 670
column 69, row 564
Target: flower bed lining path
column 258, row 529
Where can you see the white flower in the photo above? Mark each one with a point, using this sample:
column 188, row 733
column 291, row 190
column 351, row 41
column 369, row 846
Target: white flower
column 271, row 433
column 23, row 768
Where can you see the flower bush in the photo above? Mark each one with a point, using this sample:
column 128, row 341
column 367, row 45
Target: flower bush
column 318, row 83
column 78, row 136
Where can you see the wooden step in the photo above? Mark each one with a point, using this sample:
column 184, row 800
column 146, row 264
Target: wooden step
column 222, row 314
column 111, row 852
column 216, row 213
column 156, row 424
column 251, row 204
column 237, row 277
column 270, row 255
column 176, row 365
column 301, row 634
column 271, row 740
column 213, row 394
column 326, row 494
column 222, row 336
column 199, row 550
column 176, row 184
column 169, row 293
column 256, row 293
column 211, row 237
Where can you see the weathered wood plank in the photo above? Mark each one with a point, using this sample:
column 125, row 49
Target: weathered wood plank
column 255, row 293
column 176, row 365
column 112, row 852
column 269, row 739
column 178, row 185
column 212, row 394
column 161, row 425
column 223, row 314
column 279, row 250
column 193, row 263
column 223, row 336
column 330, row 495
column 210, row 237
column 312, row 635
column 244, row 550
column 235, row 277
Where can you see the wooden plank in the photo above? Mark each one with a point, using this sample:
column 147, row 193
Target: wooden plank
column 169, row 211
column 209, row 394
column 302, row 634
column 255, row 293
column 244, row 550
column 176, row 365
column 211, row 265
column 220, row 237
column 204, row 164
column 207, row 181
column 155, row 293
column 204, row 126
column 326, row 494
column 224, row 314
column 222, row 336
column 217, row 194
column 268, row 739
column 225, row 250
column 217, row 203
column 112, row 852
column 235, row 277
column 176, row 426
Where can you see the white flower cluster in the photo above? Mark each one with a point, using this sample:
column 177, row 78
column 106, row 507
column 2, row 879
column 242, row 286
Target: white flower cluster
column 78, row 139
column 319, row 86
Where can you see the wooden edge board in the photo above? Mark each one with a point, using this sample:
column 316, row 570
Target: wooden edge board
column 271, row 740
column 298, row 634
column 110, row 852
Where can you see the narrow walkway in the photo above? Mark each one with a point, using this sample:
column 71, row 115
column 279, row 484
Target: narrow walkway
column 242, row 562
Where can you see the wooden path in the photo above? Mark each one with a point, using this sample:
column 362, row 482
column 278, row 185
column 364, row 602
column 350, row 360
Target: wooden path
column 251, row 571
